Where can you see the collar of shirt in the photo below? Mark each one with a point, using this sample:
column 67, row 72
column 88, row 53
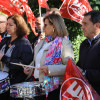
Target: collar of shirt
column 90, row 41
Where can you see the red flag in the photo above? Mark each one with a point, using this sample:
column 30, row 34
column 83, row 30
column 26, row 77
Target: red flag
column 75, row 86
column 7, row 7
column 30, row 17
column 24, row 7
column 43, row 3
column 19, row 5
column 74, row 9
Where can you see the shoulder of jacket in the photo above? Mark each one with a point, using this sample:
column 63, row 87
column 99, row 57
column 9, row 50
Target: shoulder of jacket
column 24, row 41
column 6, row 39
column 85, row 42
column 66, row 41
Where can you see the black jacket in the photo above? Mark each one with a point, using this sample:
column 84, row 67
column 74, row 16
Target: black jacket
column 89, row 60
column 22, row 53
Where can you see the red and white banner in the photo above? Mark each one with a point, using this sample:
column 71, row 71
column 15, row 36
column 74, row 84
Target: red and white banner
column 19, row 5
column 43, row 3
column 7, row 7
column 75, row 86
column 24, row 7
column 74, row 9
column 30, row 17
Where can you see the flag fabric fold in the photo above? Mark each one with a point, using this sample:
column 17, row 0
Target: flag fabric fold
column 30, row 17
column 7, row 7
column 75, row 86
column 74, row 9
column 43, row 3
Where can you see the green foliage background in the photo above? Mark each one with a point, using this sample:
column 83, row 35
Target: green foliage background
column 75, row 33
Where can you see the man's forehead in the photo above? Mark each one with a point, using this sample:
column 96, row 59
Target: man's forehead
column 3, row 18
column 86, row 18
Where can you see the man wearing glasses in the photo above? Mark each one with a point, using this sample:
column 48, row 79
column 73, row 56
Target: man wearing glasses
column 3, row 33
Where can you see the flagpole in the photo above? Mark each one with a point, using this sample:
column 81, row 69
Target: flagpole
column 41, row 19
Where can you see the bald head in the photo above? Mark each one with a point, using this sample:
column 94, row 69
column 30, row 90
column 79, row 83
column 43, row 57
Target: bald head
column 3, row 20
column 3, row 17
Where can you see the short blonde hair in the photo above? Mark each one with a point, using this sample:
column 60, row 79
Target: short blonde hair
column 58, row 23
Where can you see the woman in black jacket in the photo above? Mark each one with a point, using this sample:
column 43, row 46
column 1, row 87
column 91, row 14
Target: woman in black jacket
column 16, row 49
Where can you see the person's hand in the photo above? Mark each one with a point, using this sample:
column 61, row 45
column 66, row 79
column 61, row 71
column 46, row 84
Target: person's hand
column 44, row 69
column 42, row 36
column 27, row 70
column 1, row 55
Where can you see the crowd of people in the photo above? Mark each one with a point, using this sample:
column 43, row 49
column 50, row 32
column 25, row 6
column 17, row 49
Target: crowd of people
column 48, row 52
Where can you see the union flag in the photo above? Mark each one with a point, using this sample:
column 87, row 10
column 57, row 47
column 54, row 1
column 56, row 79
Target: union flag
column 7, row 7
column 43, row 3
column 74, row 9
column 75, row 86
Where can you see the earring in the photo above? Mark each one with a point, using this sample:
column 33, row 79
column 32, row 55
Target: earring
column 53, row 30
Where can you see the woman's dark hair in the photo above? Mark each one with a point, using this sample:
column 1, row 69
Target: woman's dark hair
column 22, row 27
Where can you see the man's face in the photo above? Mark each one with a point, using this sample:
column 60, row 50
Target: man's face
column 38, row 23
column 88, row 27
column 2, row 24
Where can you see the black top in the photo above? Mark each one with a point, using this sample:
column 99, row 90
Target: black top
column 4, row 34
column 22, row 53
column 89, row 60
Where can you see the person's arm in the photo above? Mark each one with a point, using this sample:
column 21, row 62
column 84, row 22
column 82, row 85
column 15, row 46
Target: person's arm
column 24, row 56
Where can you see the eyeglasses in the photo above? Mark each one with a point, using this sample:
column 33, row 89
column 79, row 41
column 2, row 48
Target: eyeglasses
column 2, row 22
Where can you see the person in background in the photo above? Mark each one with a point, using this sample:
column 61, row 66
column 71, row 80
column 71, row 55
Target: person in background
column 41, row 35
column 39, row 29
column 89, row 55
column 51, row 55
column 3, row 23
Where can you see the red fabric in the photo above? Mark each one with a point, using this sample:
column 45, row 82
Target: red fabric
column 32, row 75
column 7, row 7
column 75, row 86
column 30, row 17
column 0, row 38
column 24, row 7
column 74, row 9
column 43, row 3
column 19, row 5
